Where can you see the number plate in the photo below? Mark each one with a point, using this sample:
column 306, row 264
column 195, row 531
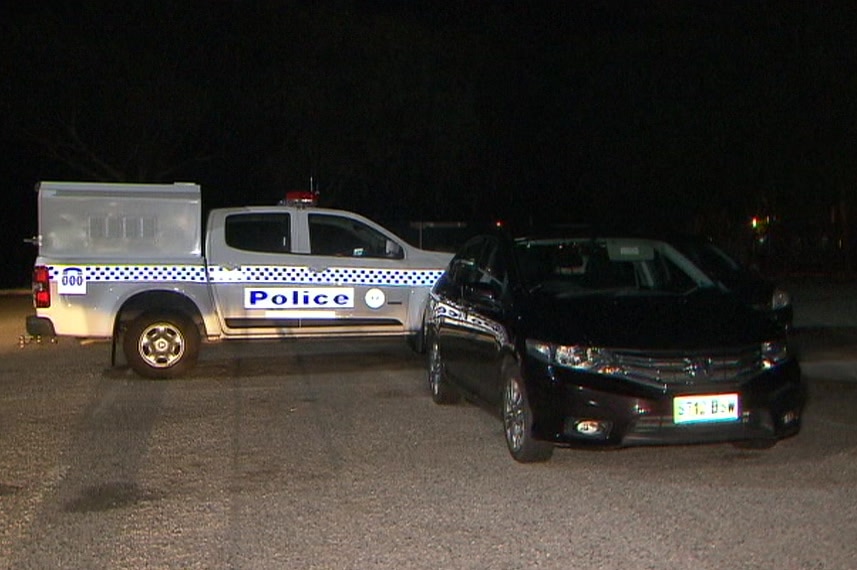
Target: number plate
column 705, row 408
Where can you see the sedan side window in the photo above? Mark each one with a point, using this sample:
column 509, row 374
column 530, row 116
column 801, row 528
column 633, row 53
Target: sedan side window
column 669, row 277
column 464, row 269
column 493, row 267
column 347, row 237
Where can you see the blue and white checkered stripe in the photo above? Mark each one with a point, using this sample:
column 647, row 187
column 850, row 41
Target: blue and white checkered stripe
column 136, row 273
column 275, row 274
column 329, row 276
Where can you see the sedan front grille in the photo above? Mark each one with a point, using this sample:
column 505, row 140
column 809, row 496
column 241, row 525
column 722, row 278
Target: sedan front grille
column 674, row 368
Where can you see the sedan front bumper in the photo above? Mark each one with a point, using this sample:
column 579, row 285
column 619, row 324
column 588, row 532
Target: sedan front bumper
column 581, row 409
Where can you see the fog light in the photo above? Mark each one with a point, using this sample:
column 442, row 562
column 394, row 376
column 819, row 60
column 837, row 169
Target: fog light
column 592, row 428
column 790, row 417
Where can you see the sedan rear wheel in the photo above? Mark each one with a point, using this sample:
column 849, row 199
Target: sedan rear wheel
column 518, row 421
column 441, row 392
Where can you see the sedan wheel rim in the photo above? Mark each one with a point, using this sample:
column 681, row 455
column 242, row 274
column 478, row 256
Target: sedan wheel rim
column 161, row 345
column 513, row 415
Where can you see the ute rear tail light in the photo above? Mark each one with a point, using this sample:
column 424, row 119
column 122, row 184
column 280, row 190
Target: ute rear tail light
column 41, row 287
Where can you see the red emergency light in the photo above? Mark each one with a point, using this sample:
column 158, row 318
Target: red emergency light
column 300, row 198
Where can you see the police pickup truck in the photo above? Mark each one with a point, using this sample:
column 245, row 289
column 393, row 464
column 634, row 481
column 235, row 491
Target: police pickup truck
column 132, row 263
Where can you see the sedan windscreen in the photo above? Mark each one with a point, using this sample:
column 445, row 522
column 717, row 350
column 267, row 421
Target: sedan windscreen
column 587, row 266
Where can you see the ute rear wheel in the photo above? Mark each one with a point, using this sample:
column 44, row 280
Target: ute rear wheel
column 161, row 345
column 518, row 420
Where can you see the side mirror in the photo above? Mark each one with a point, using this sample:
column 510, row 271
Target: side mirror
column 483, row 293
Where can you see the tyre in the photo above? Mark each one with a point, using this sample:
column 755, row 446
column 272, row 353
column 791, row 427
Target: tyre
column 161, row 345
column 518, row 421
column 441, row 392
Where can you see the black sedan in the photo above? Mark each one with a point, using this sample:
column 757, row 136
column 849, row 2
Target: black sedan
column 606, row 342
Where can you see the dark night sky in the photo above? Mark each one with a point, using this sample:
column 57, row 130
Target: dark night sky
column 696, row 114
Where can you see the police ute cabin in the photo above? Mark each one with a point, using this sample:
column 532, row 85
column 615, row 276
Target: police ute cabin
column 134, row 264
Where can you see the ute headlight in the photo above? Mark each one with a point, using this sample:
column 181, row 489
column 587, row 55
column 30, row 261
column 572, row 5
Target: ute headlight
column 571, row 356
column 780, row 299
column 774, row 353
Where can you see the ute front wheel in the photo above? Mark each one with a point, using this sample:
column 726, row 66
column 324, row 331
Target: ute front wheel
column 161, row 345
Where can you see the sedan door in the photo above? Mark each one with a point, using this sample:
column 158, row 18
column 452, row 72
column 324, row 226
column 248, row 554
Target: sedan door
column 450, row 313
column 485, row 298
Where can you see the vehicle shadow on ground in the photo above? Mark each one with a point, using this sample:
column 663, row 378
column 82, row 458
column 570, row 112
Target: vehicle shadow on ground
column 289, row 358
column 807, row 460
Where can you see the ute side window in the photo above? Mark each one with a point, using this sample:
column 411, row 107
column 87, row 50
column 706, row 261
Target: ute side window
column 259, row 232
column 347, row 237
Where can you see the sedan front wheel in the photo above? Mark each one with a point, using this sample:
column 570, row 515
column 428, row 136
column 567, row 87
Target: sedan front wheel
column 441, row 391
column 518, row 421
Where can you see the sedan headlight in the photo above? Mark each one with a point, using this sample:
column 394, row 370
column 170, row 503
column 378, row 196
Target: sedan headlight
column 570, row 356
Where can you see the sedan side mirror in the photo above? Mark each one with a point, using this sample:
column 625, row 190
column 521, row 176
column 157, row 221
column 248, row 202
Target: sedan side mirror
column 487, row 293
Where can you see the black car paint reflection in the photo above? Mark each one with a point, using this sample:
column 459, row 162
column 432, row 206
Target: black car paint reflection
column 748, row 284
column 606, row 342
